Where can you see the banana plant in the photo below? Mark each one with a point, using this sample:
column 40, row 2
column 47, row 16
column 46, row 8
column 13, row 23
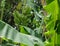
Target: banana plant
column 52, row 8
column 9, row 33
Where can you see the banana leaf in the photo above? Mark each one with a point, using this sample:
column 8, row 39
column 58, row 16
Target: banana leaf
column 9, row 33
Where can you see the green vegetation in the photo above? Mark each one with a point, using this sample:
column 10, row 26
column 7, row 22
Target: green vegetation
column 29, row 23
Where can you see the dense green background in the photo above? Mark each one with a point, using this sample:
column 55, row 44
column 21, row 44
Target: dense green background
column 30, row 22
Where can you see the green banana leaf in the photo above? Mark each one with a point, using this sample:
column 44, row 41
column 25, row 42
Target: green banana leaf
column 49, row 1
column 9, row 33
column 53, row 9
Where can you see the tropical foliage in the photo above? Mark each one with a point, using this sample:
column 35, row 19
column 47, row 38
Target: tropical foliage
column 29, row 23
